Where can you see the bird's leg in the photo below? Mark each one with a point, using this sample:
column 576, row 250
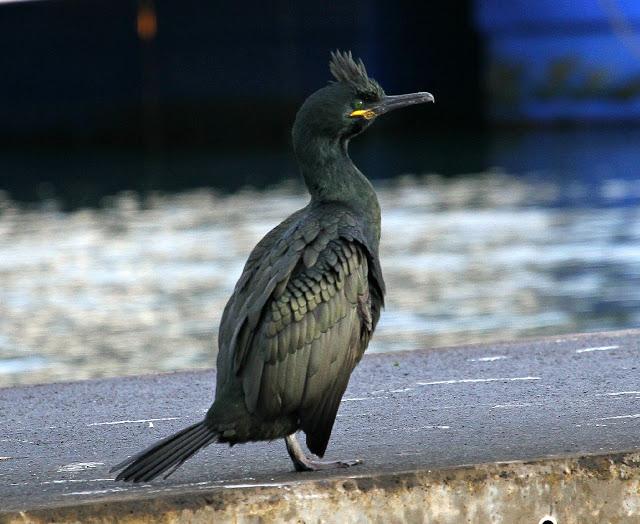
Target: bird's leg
column 304, row 463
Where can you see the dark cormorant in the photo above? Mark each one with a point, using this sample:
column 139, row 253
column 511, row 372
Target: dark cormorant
column 308, row 299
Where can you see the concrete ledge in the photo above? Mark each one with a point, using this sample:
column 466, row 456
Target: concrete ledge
column 491, row 433
column 602, row 488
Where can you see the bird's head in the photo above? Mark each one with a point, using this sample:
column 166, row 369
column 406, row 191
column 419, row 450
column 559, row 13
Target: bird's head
column 349, row 105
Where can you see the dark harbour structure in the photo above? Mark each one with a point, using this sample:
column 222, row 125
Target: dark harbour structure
column 308, row 299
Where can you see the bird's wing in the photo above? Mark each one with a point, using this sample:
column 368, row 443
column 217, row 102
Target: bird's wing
column 266, row 273
column 312, row 332
column 299, row 239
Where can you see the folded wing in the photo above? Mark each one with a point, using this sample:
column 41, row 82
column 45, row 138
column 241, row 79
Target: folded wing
column 311, row 335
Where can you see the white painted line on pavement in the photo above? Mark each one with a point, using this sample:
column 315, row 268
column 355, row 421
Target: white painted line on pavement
column 142, row 421
column 487, row 359
column 79, row 466
column 354, row 399
column 475, row 380
column 97, row 492
column 635, row 415
column 601, row 348
column 517, row 405
column 68, row 481
column 617, row 393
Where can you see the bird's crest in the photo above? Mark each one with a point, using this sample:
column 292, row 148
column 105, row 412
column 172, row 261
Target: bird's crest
column 353, row 74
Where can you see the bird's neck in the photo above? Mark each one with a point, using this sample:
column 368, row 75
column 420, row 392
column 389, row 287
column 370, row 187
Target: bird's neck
column 331, row 176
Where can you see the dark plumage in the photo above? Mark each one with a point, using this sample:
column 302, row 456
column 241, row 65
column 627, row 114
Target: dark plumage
column 354, row 74
column 309, row 297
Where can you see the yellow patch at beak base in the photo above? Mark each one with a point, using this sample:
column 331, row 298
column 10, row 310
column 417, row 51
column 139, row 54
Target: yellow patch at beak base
column 365, row 113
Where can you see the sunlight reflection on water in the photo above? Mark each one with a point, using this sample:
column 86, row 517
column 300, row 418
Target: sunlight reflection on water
column 133, row 289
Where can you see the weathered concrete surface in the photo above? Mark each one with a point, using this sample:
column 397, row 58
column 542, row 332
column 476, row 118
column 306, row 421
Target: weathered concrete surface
column 436, row 429
column 572, row 491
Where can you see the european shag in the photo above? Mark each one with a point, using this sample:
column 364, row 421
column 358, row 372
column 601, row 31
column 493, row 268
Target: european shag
column 308, row 299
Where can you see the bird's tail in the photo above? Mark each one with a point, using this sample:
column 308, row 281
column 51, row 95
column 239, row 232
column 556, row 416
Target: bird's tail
column 168, row 454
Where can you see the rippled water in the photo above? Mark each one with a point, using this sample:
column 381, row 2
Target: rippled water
column 140, row 286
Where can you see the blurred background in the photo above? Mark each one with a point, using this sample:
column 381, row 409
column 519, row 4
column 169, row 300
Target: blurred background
column 144, row 149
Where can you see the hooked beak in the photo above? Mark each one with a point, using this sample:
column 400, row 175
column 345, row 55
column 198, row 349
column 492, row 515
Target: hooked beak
column 389, row 103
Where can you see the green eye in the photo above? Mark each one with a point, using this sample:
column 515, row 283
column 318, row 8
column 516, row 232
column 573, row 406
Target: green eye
column 358, row 104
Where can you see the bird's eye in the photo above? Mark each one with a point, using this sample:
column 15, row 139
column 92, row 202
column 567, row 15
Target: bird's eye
column 358, row 104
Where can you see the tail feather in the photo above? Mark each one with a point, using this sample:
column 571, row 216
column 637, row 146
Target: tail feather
column 168, row 454
column 174, row 461
column 165, row 452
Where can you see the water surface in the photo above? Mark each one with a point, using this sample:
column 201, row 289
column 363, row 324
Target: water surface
column 139, row 286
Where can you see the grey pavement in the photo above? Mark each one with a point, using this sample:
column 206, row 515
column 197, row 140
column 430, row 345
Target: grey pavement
column 430, row 409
